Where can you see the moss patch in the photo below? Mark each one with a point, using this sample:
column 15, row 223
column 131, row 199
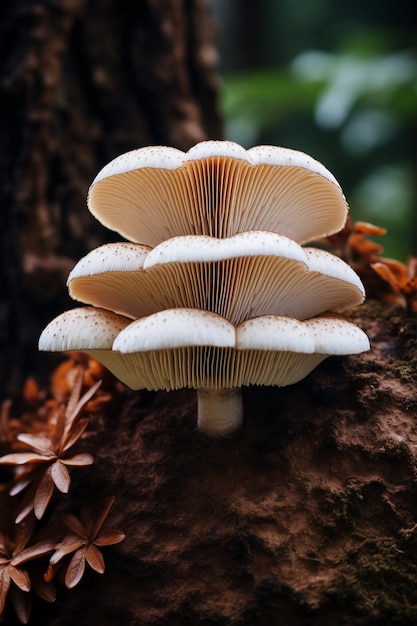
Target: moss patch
column 380, row 580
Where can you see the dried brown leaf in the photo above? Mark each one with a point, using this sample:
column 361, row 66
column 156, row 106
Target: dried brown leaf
column 22, row 535
column 43, row 588
column 368, row 229
column 76, row 404
column 32, row 392
column 102, row 518
column 60, row 476
column 386, row 274
column 59, row 420
column 43, row 494
column 4, row 587
column 46, row 463
column 15, row 551
column 73, row 435
column 83, row 541
column 94, row 558
column 26, row 506
column 22, row 458
column 109, row 537
column 76, row 568
column 70, row 544
column 77, row 383
column 20, row 577
column 38, row 443
column 75, row 525
column 83, row 458
column 72, row 416
column 42, row 548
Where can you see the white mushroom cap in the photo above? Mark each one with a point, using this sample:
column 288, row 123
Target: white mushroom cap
column 111, row 257
column 337, row 336
column 191, row 348
column 203, row 249
column 246, row 275
column 269, row 350
column 175, row 328
column 81, row 329
column 90, row 330
column 201, row 350
column 218, row 189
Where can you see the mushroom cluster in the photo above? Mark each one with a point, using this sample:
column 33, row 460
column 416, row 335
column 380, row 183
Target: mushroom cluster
column 213, row 289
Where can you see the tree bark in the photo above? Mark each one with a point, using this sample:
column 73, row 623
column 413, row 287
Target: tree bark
column 81, row 82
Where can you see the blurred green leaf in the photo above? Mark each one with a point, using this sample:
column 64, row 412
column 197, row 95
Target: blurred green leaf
column 354, row 111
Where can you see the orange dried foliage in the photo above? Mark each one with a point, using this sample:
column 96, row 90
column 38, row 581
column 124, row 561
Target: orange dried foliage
column 62, row 380
column 17, row 548
column 402, row 279
column 38, row 447
column 45, row 464
column 40, row 409
column 352, row 243
column 385, row 279
column 81, row 546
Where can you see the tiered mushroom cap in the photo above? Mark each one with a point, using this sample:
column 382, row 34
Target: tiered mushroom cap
column 215, row 280
column 246, row 275
column 218, row 189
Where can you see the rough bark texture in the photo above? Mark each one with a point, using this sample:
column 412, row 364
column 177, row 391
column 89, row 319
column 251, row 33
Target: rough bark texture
column 82, row 81
column 307, row 517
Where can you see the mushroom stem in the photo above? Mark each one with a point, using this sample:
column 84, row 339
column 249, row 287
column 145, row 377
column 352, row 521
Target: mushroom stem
column 220, row 411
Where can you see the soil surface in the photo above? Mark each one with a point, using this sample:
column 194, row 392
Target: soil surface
column 306, row 517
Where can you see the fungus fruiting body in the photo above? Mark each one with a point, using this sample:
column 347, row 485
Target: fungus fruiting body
column 218, row 189
column 194, row 348
column 214, row 290
column 246, row 275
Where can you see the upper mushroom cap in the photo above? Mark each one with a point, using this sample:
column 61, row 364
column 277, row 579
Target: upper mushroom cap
column 192, row 348
column 217, row 188
column 246, row 275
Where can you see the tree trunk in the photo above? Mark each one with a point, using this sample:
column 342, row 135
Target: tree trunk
column 81, row 82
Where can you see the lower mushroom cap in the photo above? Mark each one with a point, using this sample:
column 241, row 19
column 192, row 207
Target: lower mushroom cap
column 201, row 350
column 195, row 348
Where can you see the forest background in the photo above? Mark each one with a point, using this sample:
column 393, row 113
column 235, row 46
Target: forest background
column 337, row 80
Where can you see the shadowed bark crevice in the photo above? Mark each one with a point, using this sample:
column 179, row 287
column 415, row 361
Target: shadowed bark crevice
column 82, row 81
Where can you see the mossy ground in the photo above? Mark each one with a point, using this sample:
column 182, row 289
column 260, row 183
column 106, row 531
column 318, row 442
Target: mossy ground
column 380, row 580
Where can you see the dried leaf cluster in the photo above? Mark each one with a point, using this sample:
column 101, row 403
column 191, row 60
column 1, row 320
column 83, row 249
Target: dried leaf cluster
column 386, row 279
column 39, row 454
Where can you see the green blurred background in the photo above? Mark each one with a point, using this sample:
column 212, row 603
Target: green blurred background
column 337, row 80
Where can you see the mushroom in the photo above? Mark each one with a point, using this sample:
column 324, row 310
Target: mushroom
column 194, row 348
column 242, row 276
column 220, row 290
column 217, row 188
